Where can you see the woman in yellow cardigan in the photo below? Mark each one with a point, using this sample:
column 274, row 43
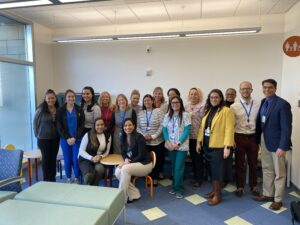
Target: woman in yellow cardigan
column 215, row 137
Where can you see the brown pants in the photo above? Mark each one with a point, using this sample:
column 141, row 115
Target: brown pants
column 246, row 146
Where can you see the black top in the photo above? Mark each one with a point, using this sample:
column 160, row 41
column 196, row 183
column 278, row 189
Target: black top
column 90, row 148
column 137, row 152
column 62, row 124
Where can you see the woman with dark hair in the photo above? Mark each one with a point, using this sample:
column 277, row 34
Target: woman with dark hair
column 90, row 108
column 149, row 124
column 70, row 125
column 94, row 146
column 176, row 130
column 136, row 160
column 122, row 112
column 215, row 137
column 44, row 125
column 172, row 92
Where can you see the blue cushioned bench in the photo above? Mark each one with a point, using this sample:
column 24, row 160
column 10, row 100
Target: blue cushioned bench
column 111, row 200
column 14, row 212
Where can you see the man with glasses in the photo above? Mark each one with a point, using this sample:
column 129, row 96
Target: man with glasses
column 245, row 111
column 273, row 132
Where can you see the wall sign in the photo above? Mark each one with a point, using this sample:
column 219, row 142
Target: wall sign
column 291, row 46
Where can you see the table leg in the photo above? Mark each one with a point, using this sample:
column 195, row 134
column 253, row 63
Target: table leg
column 105, row 175
column 36, row 170
column 111, row 170
column 29, row 171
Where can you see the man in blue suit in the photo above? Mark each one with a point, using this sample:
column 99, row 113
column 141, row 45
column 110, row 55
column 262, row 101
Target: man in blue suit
column 273, row 132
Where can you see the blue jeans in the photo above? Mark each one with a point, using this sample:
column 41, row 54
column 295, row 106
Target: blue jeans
column 70, row 153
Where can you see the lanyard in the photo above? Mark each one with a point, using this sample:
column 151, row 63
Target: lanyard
column 247, row 112
column 148, row 118
column 122, row 117
column 175, row 118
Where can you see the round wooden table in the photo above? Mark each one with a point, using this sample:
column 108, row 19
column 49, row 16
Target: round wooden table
column 109, row 162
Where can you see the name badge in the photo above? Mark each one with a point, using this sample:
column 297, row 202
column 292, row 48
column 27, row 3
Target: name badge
column 147, row 128
column 172, row 138
column 120, row 134
column 248, row 126
column 263, row 119
column 207, row 132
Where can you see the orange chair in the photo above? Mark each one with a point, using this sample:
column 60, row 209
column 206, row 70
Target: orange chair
column 148, row 178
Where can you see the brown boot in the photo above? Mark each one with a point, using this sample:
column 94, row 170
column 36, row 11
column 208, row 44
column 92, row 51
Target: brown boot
column 217, row 196
column 209, row 194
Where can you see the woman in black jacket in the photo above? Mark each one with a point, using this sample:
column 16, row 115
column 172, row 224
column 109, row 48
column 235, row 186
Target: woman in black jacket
column 136, row 160
column 70, row 125
column 44, row 125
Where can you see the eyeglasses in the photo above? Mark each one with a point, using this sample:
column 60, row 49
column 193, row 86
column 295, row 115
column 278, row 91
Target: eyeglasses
column 245, row 89
column 214, row 97
column 173, row 103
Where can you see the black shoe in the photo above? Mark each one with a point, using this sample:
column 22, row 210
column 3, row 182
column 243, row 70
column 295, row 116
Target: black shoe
column 239, row 192
column 197, row 184
column 255, row 191
column 224, row 184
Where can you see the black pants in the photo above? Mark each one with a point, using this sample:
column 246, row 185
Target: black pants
column 197, row 161
column 160, row 155
column 91, row 172
column 49, row 149
column 215, row 159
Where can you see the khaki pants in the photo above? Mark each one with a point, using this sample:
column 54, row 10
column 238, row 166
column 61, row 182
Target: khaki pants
column 274, row 173
column 124, row 176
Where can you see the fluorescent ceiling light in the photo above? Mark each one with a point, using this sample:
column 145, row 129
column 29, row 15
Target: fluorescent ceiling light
column 24, row 4
column 163, row 35
column 69, row 1
column 84, row 40
column 148, row 37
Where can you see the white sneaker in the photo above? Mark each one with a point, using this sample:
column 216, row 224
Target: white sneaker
column 69, row 181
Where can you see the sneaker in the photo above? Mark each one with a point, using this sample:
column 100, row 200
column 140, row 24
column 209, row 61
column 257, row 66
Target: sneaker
column 69, row 181
column 172, row 192
column 178, row 196
column 76, row 181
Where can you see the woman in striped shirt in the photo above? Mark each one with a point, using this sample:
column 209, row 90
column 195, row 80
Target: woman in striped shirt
column 149, row 124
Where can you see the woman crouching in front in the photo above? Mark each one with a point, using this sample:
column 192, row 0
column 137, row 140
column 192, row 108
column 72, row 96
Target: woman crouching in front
column 94, row 146
column 136, row 160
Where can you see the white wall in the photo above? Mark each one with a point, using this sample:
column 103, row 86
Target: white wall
column 291, row 87
column 43, row 60
column 215, row 62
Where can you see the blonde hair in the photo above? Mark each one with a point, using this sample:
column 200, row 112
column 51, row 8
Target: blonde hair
column 117, row 106
column 199, row 93
column 110, row 105
column 161, row 90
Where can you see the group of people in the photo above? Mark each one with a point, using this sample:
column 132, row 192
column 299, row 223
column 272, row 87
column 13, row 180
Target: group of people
column 211, row 131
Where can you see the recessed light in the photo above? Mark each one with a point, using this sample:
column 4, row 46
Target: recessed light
column 24, row 4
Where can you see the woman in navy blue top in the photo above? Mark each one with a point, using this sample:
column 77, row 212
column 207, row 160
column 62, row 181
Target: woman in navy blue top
column 70, row 124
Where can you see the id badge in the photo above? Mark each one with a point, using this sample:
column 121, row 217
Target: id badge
column 147, row 128
column 248, row 126
column 172, row 138
column 207, row 132
column 120, row 134
column 263, row 119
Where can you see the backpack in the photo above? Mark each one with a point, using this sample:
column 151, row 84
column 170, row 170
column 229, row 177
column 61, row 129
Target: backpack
column 295, row 211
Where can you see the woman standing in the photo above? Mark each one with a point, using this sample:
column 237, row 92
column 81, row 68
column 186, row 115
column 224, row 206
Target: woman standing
column 107, row 108
column 70, row 125
column 159, row 100
column 134, row 101
column 45, row 130
column 176, row 130
column 136, row 160
column 118, row 117
column 195, row 108
column 90, row 108
column 215, row 137
column 150, row 126
column 94, row 146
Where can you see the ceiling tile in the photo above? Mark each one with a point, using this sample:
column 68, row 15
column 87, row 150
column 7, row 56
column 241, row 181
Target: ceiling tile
column 219, row 8
column 150, row 11
column 282, row 6
column 189, row 9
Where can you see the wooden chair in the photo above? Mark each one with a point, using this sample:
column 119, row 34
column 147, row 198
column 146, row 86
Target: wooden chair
column 148, row 178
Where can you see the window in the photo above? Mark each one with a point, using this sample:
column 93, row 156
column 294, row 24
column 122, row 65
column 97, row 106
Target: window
column 17, row 101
